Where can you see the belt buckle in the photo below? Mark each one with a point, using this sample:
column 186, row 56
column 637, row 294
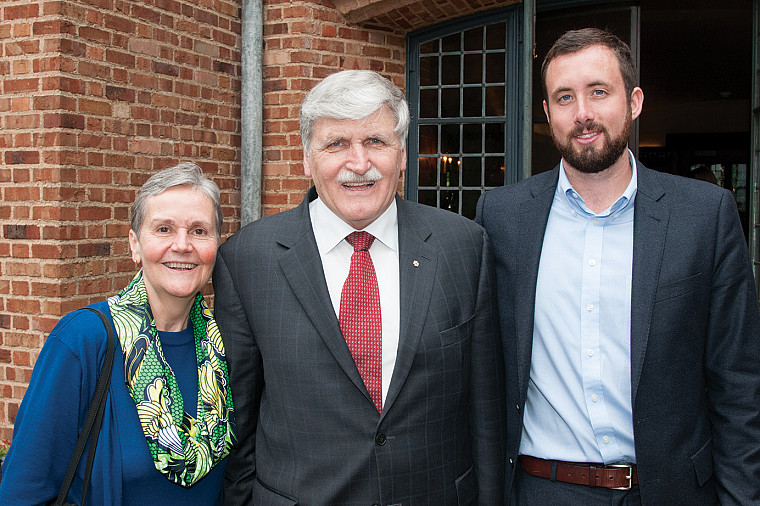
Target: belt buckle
column 628, row 475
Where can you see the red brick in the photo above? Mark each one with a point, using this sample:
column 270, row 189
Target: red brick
column 22, row 157
column 119, row 93
column 91, row 69
column 98, row 107
column 29, row 306
column 165, row 68
column 119, row 23
column 29, row 10
column 120, row 58
column 20, row 85
column 64, row 120
column 21, row 121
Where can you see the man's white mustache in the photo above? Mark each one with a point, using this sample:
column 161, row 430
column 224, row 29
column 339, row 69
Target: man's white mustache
column 372, row 175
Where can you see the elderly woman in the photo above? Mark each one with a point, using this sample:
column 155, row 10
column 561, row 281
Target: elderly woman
column 169, row 373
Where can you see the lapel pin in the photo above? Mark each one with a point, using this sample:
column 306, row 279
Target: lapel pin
column 416, row 263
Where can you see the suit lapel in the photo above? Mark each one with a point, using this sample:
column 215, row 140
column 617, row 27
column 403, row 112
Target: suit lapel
column 417, row 263
column 650, row 223
column 302, row 267
column 531, row 224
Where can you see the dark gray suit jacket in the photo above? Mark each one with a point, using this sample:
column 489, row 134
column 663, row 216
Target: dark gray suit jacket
column 695, row 332
column 308, row 431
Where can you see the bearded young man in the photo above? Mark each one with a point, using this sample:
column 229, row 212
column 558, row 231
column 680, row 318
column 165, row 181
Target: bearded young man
column 628, row 311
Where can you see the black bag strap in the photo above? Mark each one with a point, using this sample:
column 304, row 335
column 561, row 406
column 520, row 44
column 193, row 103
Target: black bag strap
column 93, row 421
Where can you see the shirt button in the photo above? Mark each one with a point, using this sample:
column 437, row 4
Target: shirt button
column 594, row 398
column 592, row 262
column 590, row 307
column 605, row 440
column 596, row 221
column 380, row 439
column 590, row 353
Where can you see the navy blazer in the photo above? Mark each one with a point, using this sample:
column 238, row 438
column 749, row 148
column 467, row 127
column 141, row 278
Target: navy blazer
column 695, row 332
column 308, row 430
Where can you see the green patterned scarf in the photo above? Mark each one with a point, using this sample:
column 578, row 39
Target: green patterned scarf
column 184, row 448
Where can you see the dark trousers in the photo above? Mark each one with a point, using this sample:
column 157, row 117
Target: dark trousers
column 530, row 490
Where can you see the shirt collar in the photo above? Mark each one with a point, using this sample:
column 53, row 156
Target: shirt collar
column 566, row 192
column 330, row 229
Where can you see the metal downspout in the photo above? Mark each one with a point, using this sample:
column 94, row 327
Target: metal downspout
column 528, row 50
column 251, row 103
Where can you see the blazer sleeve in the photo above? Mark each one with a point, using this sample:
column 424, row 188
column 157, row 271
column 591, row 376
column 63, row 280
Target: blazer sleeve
column 732, row 364
column 487, row 387
column 246, row 379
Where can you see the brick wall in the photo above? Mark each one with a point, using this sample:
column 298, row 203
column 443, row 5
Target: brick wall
column 97, row 95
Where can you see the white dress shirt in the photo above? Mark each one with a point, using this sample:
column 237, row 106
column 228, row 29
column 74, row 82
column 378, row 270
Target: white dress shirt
column 330, row 232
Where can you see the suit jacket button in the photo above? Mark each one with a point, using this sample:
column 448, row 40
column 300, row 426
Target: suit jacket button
column 380, row 439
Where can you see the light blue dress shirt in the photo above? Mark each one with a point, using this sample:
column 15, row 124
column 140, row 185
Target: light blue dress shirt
column 578, row 407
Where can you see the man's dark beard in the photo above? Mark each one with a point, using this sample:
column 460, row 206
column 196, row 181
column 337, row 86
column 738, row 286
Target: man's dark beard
column 589, row 160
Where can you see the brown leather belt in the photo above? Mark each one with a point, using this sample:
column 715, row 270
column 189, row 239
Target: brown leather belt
column 615, row 476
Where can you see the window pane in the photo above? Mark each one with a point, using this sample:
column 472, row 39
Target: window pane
column 428, row 141
column 450, row 69
column 427, row 169
column 429, row 47
column 450, row 139
column 472, row 103
column 429, row 71
column 473, row 68
column 495, row 96
column 451, row 43
column 494, row 138
column 428, row 103
column 494, row 171
column 472, row 138
column 449, row 171
column 473, row 39
column 471, row 172
column 495, row 36
column 470, row 203
column 450, row 102
column 427, row 197
column 450, row 200
column 495, row 72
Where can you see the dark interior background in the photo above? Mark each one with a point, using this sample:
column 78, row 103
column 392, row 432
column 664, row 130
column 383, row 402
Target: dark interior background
column 695, row 64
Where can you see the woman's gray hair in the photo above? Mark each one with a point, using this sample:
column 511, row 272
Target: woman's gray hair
column 353, row 94
column 184, row 174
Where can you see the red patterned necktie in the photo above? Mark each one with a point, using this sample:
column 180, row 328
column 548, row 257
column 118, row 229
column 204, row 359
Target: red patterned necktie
column 360, row 316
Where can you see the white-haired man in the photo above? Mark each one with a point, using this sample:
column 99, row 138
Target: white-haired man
column 361, row 329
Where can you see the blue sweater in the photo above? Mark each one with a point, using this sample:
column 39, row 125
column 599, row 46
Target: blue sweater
column 55, row 406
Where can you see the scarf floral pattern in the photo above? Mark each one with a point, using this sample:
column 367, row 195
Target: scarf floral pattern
column 184, row 449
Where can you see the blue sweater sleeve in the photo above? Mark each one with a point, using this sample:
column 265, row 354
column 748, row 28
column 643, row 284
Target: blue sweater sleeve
column 54, row 406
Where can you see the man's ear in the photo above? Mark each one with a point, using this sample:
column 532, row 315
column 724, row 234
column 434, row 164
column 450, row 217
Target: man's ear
column 306, row 165
column 637, row 102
